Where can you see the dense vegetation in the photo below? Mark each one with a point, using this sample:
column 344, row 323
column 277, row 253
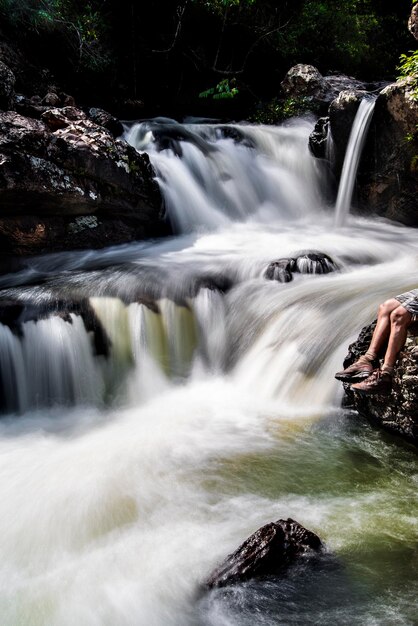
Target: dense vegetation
column 166, row 52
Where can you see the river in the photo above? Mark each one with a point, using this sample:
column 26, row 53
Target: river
column 127, row 476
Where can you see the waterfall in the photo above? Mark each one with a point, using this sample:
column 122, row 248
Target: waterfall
column 213, row 175
column 172, row 399
column 352, row 158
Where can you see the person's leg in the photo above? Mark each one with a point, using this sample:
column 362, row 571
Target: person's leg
column 363, row 367
column 400, row 319
column 383, row 327
column 380, row 381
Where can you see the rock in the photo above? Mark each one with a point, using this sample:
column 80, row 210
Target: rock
column 388, row 172
column 270, row 550
column 303, row 80
column 15, row 313
column 306, row 81
column 342, row 112
column 319, row 137
column 108, row 121
column 65, row 183
column 280, row 270
column 397, row 413
column 306, row 262
column 413, row 21
column 51, row 100
column 7, row 83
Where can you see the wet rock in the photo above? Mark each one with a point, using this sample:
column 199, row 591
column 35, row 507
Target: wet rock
column 319, row 137
column 342, row 112
column 65, row 183
column 108, row 121
column 270, row 550
column 7, row 83
column 306, row 262
column 16, row 313
column 398, row 412
column 280, row 270
column 388, row 172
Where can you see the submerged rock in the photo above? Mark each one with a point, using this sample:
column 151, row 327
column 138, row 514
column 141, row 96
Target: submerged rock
column 66, row 183
column 270, row 550
column 398, row 412
column 306, row 262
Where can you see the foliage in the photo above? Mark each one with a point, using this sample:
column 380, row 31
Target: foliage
column 224, row 89
column 278, row 110
column 81, row 25
column 408, row 67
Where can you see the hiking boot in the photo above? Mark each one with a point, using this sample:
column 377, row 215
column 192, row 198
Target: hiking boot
column 377, row 383
column 359, row 370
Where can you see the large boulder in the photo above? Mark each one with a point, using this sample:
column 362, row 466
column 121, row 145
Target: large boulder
column 342, row 112
column 65, row 182
column 398, row 412
column 388, row 173
column 270, row 550
column 307, row 82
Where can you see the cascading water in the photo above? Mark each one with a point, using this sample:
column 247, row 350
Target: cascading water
column 190, row 400
column 352, row 158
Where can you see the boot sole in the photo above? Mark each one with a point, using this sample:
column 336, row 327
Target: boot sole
column 348, row 378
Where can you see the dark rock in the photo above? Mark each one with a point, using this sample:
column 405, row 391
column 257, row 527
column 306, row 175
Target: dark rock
column 398, row 412
column 306, row 262
column 108, row 121
column 280, row 270
column 270, row 550
column 319, row 137
column 342, row 112
column 314, row 262
column 13, row 314
column 7, row 83
column 51, row 100
column 413, row 21
column 63, row 183
column 388, row 172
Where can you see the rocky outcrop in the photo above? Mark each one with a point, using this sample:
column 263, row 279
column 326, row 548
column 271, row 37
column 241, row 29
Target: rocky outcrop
column 7, row 82
column 388, row 173
column 65, row 182
column 398, row 412
column 413, row 21
column 306, row 81
column 307, row 262
column 270, row 550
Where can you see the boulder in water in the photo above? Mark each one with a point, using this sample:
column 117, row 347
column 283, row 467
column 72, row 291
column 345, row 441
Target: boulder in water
column 319, row 137
column 270, row 550
column 398, row 412
column 305, row 262
column 66, row 183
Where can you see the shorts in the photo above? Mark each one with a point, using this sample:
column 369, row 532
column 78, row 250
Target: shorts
column 409, row 301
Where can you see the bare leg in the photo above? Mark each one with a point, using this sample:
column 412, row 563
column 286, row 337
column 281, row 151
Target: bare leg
column 400, row 319
column 383, row 326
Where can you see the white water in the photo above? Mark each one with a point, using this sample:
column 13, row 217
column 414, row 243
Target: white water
column 352, row 158
column 214, row 413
